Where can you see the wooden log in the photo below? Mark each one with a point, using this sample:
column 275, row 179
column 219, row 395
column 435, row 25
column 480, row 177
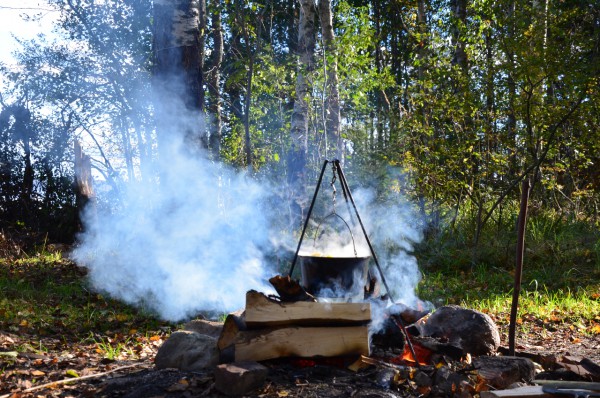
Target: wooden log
column 234, row 323
column 500, row 372
column 264, row 312
column 260, row 345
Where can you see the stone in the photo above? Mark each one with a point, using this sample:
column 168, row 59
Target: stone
column 473, row 331
column 500, row 372
column 187, row 351
column 240, row 378
column 203, row 326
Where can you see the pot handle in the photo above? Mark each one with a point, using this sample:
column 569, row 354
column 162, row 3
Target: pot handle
column 345, row 223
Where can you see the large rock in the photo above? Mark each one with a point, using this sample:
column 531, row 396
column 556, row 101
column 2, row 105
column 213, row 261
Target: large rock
column 203, row 326
column 473, row 331
column 187, row 351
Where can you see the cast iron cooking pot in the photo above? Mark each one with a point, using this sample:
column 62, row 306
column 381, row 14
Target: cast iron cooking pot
column 325, row 276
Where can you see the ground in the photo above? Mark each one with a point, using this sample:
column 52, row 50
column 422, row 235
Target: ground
column 132, row 374
column 58, row 339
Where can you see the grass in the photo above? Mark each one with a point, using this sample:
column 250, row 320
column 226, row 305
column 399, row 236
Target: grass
column 115, row 348
column 561, row 270
column 48, row 295
column 549, row 294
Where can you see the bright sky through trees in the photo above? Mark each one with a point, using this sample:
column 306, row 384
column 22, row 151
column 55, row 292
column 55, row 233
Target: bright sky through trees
column 23, row 19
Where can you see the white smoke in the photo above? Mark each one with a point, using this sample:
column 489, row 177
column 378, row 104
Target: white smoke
column 393, row 227
column 195, row 240
column 187, row 244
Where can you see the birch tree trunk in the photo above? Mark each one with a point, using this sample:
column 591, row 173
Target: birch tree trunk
column 178, row 56
column 332, row 99
column 296, row 159
column 214, row 75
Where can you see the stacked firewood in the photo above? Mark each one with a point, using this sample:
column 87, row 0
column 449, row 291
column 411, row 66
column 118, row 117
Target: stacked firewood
column 271, row 328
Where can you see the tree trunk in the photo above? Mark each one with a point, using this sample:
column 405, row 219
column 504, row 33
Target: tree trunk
column 459, row 13
column 178, row 61
column 214, row 75
column 251, row 57
column 296, row 159
column 512, row 94
column 332, row 99
column 84, row 189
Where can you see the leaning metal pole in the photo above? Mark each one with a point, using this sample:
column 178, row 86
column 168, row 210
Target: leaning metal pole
column 310, row 209
column 348, row 195
column 346, row 190
column 522, row 222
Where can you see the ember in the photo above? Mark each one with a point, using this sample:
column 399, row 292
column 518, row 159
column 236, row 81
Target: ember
column 423, row 355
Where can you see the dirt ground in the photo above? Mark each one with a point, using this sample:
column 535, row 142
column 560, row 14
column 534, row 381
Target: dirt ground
column 71, row 369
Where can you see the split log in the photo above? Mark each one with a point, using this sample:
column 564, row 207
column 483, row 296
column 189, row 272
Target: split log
column 264, row 312
column 260, row 345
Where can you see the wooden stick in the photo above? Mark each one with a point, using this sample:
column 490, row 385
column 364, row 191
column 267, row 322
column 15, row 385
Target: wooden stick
column 73, row 379
column 519, row 266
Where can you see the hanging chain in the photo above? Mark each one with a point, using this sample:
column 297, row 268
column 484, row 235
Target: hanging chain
column 334, row 191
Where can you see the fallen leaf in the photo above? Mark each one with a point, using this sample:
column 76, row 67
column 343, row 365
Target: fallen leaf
column 37, row 373
column 71, row 373
column 595, row 329
column 181, row 385
column 282, row 393
column 155, row 338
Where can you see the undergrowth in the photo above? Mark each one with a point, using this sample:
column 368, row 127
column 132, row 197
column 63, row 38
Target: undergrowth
column 46, row 294
column 560, row 278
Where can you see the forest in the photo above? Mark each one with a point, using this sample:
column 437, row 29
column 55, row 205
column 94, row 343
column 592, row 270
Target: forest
column 451, row 103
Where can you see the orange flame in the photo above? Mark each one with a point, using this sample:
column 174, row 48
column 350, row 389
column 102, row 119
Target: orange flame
column 423, row 355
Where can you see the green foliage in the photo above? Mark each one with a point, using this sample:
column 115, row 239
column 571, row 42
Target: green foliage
column 464, row 105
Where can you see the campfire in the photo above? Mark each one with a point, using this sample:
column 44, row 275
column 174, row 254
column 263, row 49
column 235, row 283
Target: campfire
column 336, row 317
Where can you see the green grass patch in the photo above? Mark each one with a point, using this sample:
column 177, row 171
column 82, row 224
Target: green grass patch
column 549, row 295
column 50, row 296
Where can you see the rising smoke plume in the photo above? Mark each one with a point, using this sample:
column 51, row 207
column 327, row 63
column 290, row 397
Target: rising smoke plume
column 196, row 240
column 187, row 244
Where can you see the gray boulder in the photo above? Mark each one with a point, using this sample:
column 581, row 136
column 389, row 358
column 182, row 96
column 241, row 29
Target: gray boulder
column 187, row 351
column 473, row 331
